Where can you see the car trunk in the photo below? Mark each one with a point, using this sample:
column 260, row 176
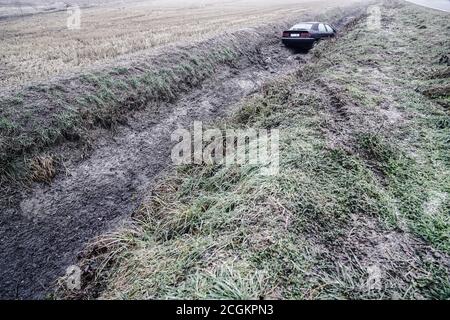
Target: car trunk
column 293, row 34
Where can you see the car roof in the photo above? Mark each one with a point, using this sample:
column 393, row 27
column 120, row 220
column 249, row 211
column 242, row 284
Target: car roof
column 306, row 25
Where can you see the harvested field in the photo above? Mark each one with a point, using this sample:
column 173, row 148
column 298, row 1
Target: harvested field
column 37, row 47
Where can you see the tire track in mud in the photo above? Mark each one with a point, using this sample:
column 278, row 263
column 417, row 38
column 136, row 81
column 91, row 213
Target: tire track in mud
column 43, row 234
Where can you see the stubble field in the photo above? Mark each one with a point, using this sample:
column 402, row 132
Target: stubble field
column 36, row 47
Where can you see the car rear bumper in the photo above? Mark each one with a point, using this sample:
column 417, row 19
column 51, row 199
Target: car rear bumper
column 298, row 42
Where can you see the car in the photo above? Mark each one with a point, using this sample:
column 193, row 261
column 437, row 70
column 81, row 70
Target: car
column 306, row 34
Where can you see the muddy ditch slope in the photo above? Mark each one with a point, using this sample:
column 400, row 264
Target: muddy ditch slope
column 96, row 142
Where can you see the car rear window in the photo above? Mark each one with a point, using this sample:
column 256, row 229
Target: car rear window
column 302, row 26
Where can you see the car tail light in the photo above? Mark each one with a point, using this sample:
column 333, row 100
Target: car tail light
column 286, row 34
column 305, row 35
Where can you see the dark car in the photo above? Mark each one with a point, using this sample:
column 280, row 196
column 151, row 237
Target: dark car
column 305, row 35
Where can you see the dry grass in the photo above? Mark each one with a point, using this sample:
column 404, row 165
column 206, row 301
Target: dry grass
column 34, row 48
column 42, row 169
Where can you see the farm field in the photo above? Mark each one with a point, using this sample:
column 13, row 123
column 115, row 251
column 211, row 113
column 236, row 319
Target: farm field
column 37, row 47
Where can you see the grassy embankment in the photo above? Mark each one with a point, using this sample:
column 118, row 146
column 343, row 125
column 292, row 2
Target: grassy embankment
column 364, row 188
column 40, row 117
column 36, row 119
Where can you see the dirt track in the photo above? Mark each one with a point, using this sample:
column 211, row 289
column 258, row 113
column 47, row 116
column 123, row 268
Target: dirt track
column 53, row 222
